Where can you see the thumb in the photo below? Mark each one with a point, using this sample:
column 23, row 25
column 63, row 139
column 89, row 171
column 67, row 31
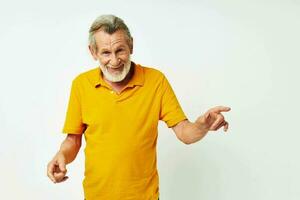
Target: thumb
column 62, row 165
column 203, row 119
column 206, row 116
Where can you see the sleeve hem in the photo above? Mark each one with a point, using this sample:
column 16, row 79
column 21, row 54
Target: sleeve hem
column 173, row 122
column 72, row 131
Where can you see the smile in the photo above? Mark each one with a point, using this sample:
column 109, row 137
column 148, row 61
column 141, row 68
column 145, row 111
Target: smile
column 113, row 69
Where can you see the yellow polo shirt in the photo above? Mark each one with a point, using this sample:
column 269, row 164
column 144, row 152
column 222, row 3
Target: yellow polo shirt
column 121, row 132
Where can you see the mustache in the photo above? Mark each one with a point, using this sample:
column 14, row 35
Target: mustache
column 114, row 67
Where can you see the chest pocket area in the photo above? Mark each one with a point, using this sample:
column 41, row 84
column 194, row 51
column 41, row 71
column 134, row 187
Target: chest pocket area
column 98, row 117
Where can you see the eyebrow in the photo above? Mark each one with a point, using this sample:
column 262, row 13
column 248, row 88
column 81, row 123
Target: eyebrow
column 102, row 50
column 105, row 49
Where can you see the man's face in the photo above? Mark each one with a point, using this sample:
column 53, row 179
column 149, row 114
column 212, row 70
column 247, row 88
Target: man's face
column 113, row 54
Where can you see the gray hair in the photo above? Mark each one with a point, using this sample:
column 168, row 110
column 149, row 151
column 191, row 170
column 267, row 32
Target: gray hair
column 109, row 24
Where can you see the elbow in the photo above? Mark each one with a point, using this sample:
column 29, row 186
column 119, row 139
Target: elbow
column 186, row 142
column 184, row 139
column 191, row 140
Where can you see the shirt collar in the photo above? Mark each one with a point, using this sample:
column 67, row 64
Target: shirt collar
column 136, row 79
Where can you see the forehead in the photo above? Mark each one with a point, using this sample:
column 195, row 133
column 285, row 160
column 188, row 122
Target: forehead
column 106, row 40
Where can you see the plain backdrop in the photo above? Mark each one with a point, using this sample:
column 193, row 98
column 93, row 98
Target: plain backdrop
column 242, row 54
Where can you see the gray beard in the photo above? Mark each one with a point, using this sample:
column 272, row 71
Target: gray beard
column 118, row 77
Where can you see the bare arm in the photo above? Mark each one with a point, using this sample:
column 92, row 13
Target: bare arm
column 56, row 169
column 70, row 147
column 188, row 132
column 212, row 120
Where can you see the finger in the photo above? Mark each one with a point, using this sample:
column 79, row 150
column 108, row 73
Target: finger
column 57, row 171
column 220, row 125
column 65, row 178
column 59, row 176
column 50, row 172
column 219, row 109
column 218, row 121
column 226, row 126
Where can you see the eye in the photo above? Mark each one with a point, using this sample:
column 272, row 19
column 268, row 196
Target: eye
column 105, row 52
column 120, row 50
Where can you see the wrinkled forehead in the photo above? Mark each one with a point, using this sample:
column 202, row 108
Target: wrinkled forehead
column 117, row 38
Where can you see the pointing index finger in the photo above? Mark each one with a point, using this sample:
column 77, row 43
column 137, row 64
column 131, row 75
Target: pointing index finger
column 219, row 109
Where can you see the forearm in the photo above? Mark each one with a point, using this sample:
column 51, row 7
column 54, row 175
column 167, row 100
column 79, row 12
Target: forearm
column 70, row 148
column 192, row 132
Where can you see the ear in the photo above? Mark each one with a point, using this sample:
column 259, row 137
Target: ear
column 131, row 46
column 93, row 53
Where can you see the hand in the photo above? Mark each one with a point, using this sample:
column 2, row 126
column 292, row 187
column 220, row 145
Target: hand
column 56, row 169
column 212, row 120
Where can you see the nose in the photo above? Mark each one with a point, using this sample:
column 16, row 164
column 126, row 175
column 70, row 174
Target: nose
column 115, row 61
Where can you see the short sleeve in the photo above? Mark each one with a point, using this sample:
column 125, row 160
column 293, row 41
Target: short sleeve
column 73, row 121
column 170, row 112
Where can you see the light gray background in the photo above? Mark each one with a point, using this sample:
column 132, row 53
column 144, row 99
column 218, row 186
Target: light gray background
column 243, row 54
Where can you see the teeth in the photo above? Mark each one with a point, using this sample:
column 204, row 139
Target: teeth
column 115, row 67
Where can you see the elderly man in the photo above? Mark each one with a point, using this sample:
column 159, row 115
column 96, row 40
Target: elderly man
column 117, row 107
